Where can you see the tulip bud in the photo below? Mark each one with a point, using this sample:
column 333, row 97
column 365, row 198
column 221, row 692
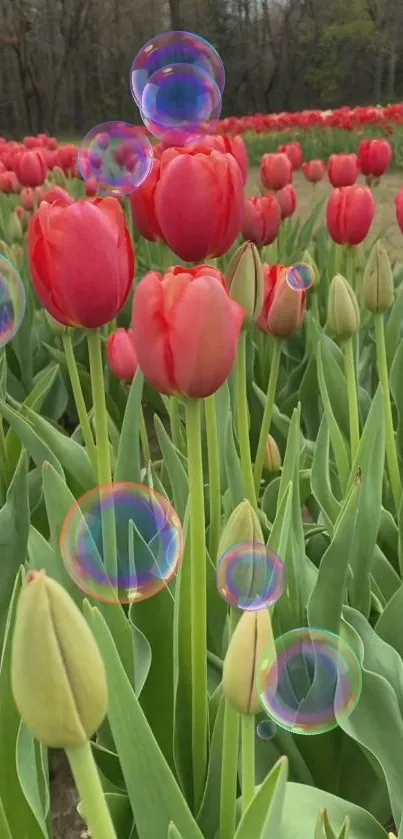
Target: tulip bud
column 14, row 229
column 17, row 254
column 56, row 327
column 252, row 637
column 243, row 526
column 343, row 314
column 57, row 673
column 377, row 287
column 272, row 459
column 245, row 280
column 59, row 177
column 309, row 260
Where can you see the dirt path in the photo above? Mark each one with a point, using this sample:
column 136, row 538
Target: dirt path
column 385, row 217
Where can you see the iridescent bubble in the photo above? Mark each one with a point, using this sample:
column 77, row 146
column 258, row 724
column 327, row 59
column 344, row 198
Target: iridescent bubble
column 180, row 103
column 309, row 680
column 265, row 729
column 250, row 576
column 122, row 542
column 174, row 48
column 300, row 277
column 12, row 301
column 117, row 156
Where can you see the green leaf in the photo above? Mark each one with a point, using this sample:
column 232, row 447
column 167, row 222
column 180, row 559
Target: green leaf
column 301, row 807
column 35, row 401
column 320, row 477
column 31, row 440
column 233, row 469
column 14, row 527
column 338, row 441
column 27, row 760
column 4, row 825
column 173, row 464
column 209, row 814
column 173, row 832
column 127, row 467
column 154, row 795
column 183, row 674
column 390, row 624
column 262, row 819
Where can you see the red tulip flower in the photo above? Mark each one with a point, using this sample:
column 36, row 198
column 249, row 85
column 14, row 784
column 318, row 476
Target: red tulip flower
column 261, row 220
column 349, row 214
column 287, row 199
column 142, row 203
column 374, row 157
column 67, row 155
column 27, row 198
column 314, row 171
column 294, row 153
column 81, row 260
column 56, row 193
column 342, row 169
column 30, row 168
column 186, row 330
column 121, row 354
column 275, row 171
column 199, row 202
column 9, row 183
column 283, row 306
column 399, row 208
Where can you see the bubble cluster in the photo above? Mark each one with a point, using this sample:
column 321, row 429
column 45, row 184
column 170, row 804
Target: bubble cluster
column 265, row 729
column 300, row 277
column 12, row 301
column 117, row 156
column 131, row 525
column 309, row 680
column 250, row 576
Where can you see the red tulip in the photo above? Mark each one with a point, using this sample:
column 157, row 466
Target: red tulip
column 275, row 171
column 30, row 168
column 56, row 193
column 9, row 183
column 27, row 198
column 342, row 169
column 349, row 214
column 283, row 306
column 67, row 155
column 374, row 157
column 261, row 220
column 143, row 206
column 314, row 171
column 81, row 260
column 121, row 354
column 186, row 330
column 287, row 199
column 294, row 153
column 399, row 208
column 199, row 202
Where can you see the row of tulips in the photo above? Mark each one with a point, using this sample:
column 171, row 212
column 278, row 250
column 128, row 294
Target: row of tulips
column 348, row 119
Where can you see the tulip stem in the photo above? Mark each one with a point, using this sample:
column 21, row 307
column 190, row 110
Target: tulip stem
column 354, row 421
column 229, row 763
column 94, row 807
column 103, row 448
column 198, row 597
column 174, row 421
column 214, row 475
column 390, row 445
column 248, row 759
column 81, row 407
column 267, row 414
column 243, row 421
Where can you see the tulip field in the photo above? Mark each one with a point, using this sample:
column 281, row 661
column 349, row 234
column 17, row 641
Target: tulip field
column 201, row 467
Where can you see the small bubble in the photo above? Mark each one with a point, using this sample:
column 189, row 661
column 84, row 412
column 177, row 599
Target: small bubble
column 250, row 576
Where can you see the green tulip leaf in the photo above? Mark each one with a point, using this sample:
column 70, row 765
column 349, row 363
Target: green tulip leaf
column 127, row 467
column 262, row 819
column 300, row 814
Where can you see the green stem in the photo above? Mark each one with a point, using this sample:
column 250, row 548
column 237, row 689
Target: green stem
column 229, row 763
column 103, row 447
column 267, row 414
column 95, row 809
column 174, row 420
column 79, row 398
column 243, row 421
column 391, row 452
column 214, row 475
column 144, row 438
column 198, row 597
column 354, row 421
column 248, row 759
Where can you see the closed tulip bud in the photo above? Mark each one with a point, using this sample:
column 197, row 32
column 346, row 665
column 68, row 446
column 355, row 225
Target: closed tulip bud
column 59, row 177
column 343, row 314
column 287, row 201
column 342, row 169
column 14, row 228
column 243, row 526
column 252, row 637
column 275, row 171
column 272, row 460
column 283, row 307
column 17, row 253
column 245, row 280
column 121, row 354
column 57, row 673
column 377, row 288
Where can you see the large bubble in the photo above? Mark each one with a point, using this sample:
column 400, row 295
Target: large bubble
column 115, row 156
column 172, row 48
column 137, row 525
column 12, row 301
column 309, row 680
column 250, row 576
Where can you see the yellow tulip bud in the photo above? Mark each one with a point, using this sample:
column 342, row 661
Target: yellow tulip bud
column 14, row 228
column 59, row 177
column 243, row 526
column 377, row 287
column 253, row 635
column 57, row 673
column 272, row 460
column 245, row 279
column 343, row 313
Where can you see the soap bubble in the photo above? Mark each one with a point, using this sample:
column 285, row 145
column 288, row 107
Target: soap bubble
column 266, row 729
column 309, row 680
column 180, row 103
column 250, row 576
column 131, row 522
column 12, row 301
column 117, row 156
column 172, row 48
column 300, row 277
